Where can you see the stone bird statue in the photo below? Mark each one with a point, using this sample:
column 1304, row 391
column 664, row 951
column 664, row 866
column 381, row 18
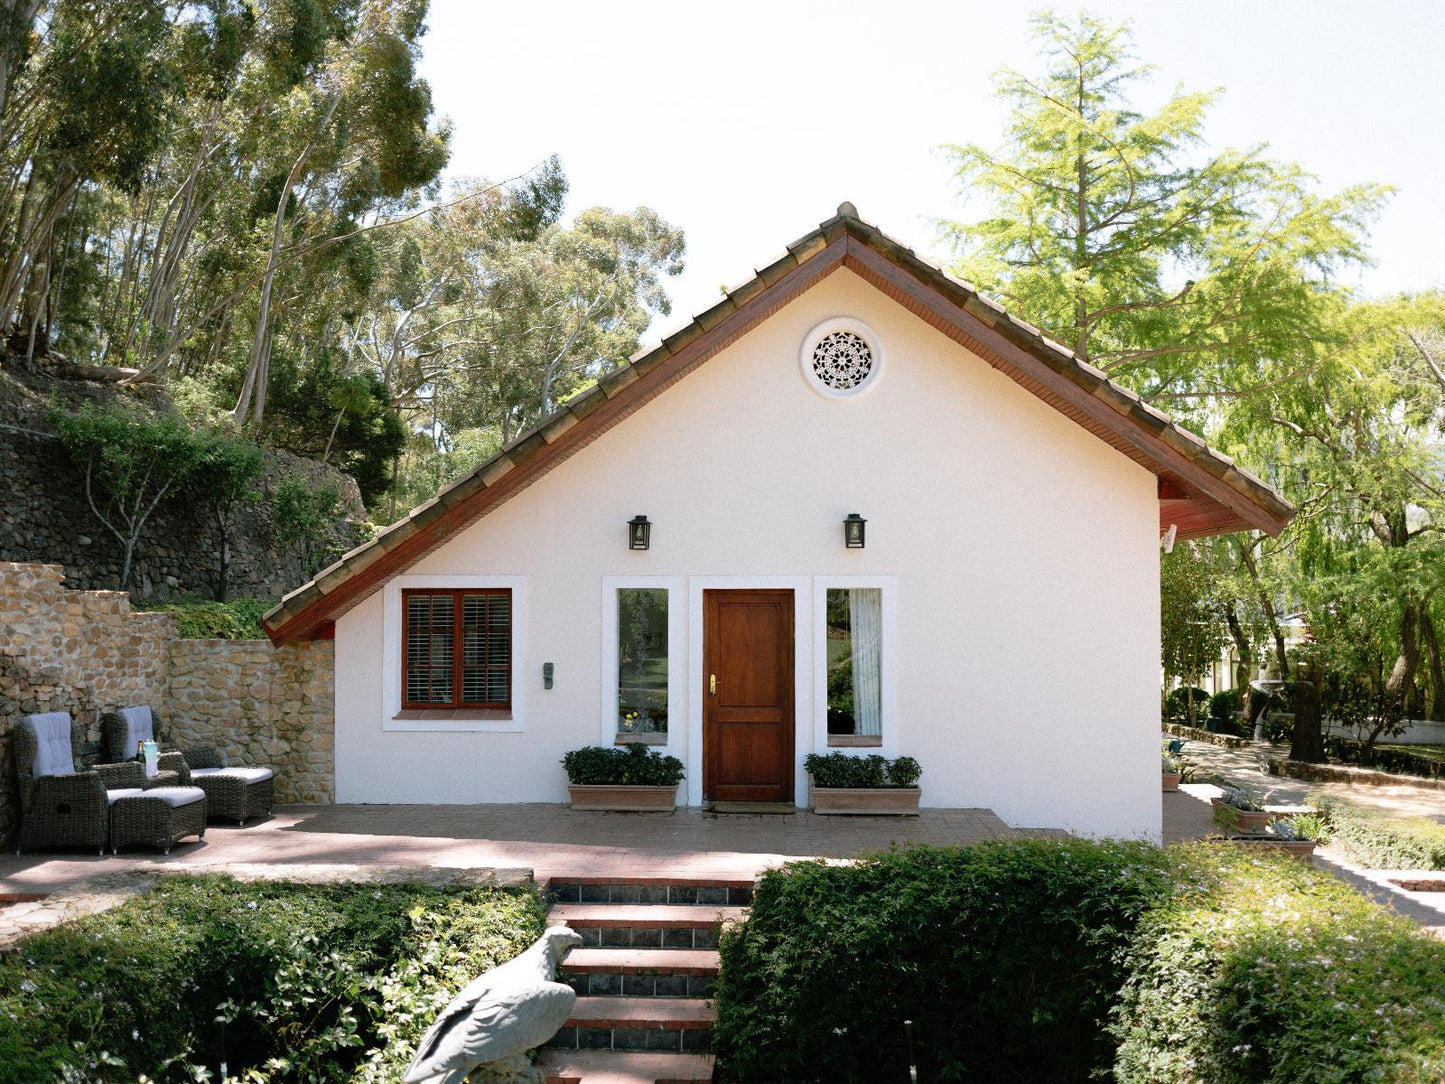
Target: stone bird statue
column 498, row 1016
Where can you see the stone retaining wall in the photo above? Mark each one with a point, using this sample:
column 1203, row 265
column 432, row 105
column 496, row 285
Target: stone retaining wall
column 85, row 652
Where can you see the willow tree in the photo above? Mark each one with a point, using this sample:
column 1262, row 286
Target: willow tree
column 1181, row 270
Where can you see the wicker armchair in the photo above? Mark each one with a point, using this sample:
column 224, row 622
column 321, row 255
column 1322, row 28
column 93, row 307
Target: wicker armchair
column 59, row 806
column 121, row 730
column 233, row 793
column 241, row 793
column 160, row 816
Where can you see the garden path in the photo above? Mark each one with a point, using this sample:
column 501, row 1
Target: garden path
column 1188, row 815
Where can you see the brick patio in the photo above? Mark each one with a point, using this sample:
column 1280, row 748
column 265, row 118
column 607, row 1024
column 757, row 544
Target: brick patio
column 548, row 839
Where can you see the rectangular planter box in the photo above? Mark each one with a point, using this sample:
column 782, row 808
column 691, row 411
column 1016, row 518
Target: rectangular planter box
column 867, row 801
column 1171, row 780
column 1239, row 821
column 1303, row 849
column 623, row 799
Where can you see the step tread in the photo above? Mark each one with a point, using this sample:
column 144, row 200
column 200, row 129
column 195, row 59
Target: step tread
column 643, row 961
column 641, row 1012
column 623, row 1067
column 650, row 880
column 650, row 915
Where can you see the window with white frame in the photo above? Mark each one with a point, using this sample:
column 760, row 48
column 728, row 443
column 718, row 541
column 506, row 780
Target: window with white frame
column 642, row 663
column 854, row 664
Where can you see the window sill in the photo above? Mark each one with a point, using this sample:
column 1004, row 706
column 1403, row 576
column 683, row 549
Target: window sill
column 641, row 739
column 855, row 741
column 479, row 720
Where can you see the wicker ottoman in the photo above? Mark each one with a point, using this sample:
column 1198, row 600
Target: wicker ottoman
column 160, row 816
column 236, row 793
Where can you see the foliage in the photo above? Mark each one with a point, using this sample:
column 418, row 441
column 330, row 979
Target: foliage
column 1239, row 799
column 1399, row 760
column 227, row 469
column 285, row 982
column 342, row 418
column 205, row 619
column 816, row 984
column 1076, row 960
column 1383, row 841
column 1167, row 267
column 844, row 770
column 1191, row 631
column 633, row 765
column 1226, row 704
column 1179, row 703
column 132, row 463
column 1263, row 970
column 304, row 519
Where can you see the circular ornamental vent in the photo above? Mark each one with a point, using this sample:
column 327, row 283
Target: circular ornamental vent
column 840, row 358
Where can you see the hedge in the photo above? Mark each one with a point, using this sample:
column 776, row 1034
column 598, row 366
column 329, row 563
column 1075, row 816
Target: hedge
column 1348, row 751
column 284, row 982
column 1383, row 841
column 1002, row 954
column 1263, row 969
column 1066, row 961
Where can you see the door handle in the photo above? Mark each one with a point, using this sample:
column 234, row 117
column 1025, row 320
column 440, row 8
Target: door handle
column 712, row 685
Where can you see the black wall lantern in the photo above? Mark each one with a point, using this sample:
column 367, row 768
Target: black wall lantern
column 853, row 531
column 639, row 533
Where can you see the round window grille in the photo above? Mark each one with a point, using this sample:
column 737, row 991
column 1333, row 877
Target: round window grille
column 841, row 358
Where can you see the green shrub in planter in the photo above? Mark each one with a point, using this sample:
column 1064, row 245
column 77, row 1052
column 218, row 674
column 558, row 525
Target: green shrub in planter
column 1227, row 704
column 633, row 765
column 1176, row 705
column 842, row 770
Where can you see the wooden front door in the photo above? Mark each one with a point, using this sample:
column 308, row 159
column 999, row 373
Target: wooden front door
column 747, row 717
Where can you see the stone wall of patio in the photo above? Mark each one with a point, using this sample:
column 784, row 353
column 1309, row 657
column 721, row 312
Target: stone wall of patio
column 85, row 652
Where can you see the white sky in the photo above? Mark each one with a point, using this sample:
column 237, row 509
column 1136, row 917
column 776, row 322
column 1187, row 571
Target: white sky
column 747, row 123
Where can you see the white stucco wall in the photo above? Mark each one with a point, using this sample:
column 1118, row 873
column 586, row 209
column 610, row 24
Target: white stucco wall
column 1018, row 554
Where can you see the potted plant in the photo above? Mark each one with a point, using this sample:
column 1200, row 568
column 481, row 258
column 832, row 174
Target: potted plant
column 633, row 778
column 869, row 785
column 1171, row 769
column 1237, row 812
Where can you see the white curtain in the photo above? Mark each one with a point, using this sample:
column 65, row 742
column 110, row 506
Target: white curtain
column 865, row 629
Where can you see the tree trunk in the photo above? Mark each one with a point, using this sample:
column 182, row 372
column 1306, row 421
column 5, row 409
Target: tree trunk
column 1402, row 674
column 1246, row 556
column 225, row 557
column 1308, row 741
column 1437, row 671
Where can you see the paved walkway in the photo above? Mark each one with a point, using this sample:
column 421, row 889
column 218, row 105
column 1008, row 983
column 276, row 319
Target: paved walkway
column 1243, row 767
column 548, row 839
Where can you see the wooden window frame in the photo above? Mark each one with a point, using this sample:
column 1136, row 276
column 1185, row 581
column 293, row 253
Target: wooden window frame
column 456, row 703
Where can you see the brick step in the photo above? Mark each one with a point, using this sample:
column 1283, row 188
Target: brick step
column 724, row 891
column 681, row 1025
column 651, row 926
column 623, row 1067
column 649, row 972
column 627, row 961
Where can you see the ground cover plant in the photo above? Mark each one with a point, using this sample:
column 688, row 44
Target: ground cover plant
column 1380, row 840
column 281, row 982
column 204, row 619
column 1034, row 960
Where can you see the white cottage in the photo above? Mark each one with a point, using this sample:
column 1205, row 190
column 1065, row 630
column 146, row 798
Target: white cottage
column 673, row 557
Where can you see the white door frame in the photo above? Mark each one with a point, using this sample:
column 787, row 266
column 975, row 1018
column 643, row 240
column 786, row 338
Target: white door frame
column 802, row 588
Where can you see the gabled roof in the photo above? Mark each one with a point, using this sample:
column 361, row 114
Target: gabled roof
column 1200, row 490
